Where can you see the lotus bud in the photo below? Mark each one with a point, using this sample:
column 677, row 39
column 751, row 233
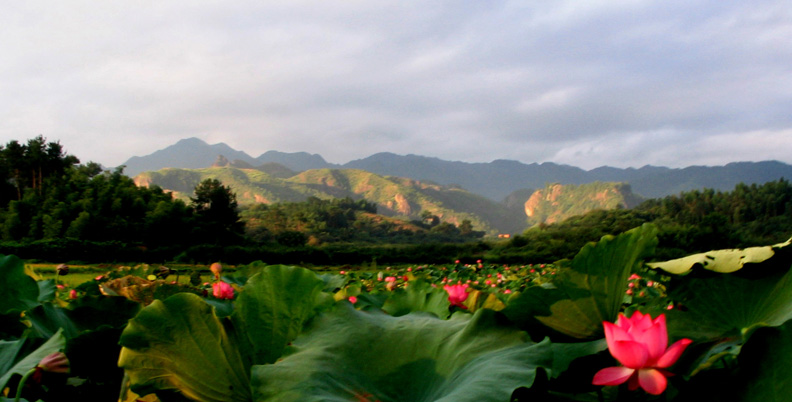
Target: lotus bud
column 55, row 363
column 163, row 272
column 216, row 269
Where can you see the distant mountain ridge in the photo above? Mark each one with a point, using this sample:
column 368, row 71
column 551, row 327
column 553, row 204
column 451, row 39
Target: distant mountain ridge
column 495, row 180
column 394, row 196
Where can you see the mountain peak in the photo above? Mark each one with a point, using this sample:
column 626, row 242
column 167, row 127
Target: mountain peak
column 189, row 153
column 190, row 141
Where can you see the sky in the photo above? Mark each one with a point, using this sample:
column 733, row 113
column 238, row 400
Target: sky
column 622, row 83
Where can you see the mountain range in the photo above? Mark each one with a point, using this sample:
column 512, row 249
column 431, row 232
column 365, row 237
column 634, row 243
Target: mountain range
column 495, row 180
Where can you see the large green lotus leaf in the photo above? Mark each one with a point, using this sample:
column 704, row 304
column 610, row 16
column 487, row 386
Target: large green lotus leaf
column 723, row 305
column 764, row 365
column 179, row 344
column 723, row 261
column 9, row 350
column 419, row 296
column 351, row 355
column 20, row 291
column 275, row 304
column 55, row 344
column 591, row 292
column 46, row 319
column 86, row 313
column 47, row 290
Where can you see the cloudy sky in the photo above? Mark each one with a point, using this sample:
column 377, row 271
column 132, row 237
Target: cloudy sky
column 586, row 83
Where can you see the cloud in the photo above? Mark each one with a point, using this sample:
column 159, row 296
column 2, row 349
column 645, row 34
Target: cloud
column 575, row 83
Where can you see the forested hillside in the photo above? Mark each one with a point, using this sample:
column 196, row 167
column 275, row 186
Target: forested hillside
column 54, row 208
column 402, row 198
column 49, row 197
column 557, row 202
column 691, row 222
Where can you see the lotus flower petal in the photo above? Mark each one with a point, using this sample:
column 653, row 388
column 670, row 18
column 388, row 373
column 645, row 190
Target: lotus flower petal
column 652, row 381
column 612, row 376
column 655, row 338
column 672, row 354
column 640, row 322
column 630, row 353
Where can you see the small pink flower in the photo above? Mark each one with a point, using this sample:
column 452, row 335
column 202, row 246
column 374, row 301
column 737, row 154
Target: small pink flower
column 507, row 291
column 390, row 279
column 457, row 294
column 99, row 278
column 72, row 294
column 633, row 276
column 222, row 290
column 59, row 286
column 639, row 344
column 342, row 272
column 55, row 363
column 352, row 299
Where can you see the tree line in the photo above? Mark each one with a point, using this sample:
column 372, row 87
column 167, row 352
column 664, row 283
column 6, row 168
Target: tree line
column 47, row 194
column 51, row 203
column 53, row 207
column 690, row 222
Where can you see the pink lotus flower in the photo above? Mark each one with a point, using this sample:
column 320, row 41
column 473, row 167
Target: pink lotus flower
column 222, row 290
column 55, row 363
column 457, row 294
column 639, row 344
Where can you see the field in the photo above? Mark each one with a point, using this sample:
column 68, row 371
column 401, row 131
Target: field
column 604, row 326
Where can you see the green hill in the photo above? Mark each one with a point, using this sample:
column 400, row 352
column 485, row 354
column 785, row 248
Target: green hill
column 557, row 202
column 395, row 197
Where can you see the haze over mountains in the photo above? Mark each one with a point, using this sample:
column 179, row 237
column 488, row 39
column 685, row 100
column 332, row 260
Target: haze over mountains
column 495, row 180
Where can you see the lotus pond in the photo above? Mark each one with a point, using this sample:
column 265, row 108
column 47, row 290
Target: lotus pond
column 604, row 326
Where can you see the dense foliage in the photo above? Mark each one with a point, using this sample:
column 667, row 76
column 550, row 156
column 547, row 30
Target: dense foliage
column 690, row 222
column 318, row 221
column 716, row 331
column 53, row 208
column 51, row 202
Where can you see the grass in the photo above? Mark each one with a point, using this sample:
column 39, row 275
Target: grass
column 79, row 274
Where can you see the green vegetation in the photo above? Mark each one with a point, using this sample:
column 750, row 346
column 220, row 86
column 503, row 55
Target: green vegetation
column 54, row 209
column 315, row 222
column 690, row 222
column 557, row 202
column 673, row 331
column 395, row 197
column 58, row 210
